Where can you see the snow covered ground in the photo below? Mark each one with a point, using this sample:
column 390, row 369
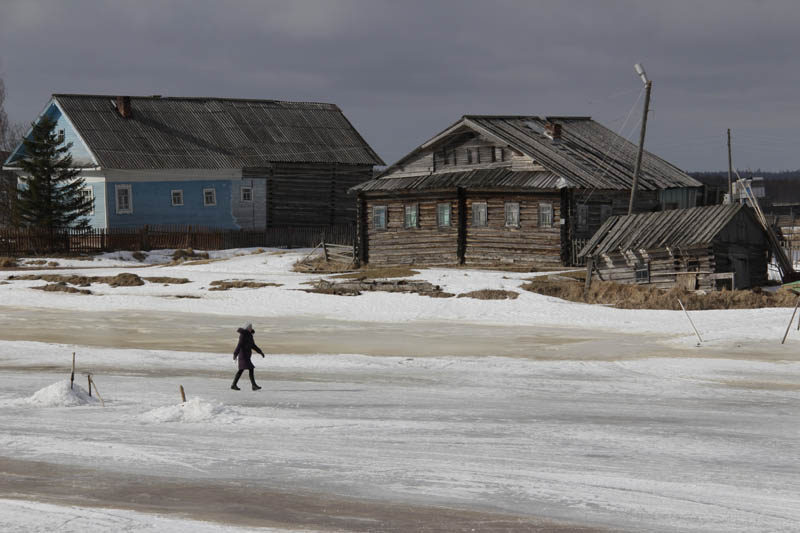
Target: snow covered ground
column 637, row 444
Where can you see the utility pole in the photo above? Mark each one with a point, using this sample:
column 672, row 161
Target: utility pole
column 648, row 85
column 730, row 170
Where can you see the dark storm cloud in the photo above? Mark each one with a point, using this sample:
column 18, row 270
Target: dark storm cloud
column 405, row 70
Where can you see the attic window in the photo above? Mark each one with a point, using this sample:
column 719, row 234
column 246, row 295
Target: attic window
column 469, row 156
column 642, row 272
column 60, row 137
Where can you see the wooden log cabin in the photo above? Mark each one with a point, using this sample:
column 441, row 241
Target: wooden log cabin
column 700, row 248
column 509, row 190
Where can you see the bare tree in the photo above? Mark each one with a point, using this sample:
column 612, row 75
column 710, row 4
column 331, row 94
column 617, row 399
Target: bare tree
column 10, row 136
column 10, row 133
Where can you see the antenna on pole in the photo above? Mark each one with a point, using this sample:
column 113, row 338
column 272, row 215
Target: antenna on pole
column 730, row 170
column 648, row 85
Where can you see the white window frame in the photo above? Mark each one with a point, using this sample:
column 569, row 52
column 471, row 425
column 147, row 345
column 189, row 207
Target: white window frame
column 172, row 197
column 477, row 207
column 90, row 190
column 512, row 208
column 411, row 216
column 213, row 192
column 123, row 210
column 439, row 221
column 249, row 189
column 380, row 212
column 546, row 214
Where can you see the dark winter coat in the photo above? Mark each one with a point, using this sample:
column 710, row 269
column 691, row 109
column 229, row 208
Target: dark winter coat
column 245, row 349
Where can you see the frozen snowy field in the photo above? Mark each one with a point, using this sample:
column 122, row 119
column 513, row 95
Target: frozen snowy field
column 554, row 434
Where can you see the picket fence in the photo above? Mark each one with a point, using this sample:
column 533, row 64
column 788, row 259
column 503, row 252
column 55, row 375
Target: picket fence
column 19, row 242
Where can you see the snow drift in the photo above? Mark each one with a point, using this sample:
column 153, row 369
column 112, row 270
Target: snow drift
column 194, row 410
column 60, row 394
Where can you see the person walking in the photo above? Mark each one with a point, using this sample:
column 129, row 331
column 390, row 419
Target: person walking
column 243, row 352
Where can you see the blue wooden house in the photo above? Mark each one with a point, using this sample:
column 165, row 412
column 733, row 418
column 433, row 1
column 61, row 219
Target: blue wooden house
column 215, row 162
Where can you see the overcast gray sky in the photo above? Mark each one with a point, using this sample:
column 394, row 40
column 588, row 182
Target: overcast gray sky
column 404, row 70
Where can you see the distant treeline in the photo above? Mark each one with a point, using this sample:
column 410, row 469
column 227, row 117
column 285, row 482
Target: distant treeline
column 783, row 186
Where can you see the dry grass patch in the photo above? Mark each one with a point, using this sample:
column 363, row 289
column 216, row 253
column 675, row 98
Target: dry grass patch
column 490, row 294
column 223, row 285
column 379, row 273
column 125, row 279
column 625, row 296
column 318, row 265
column 8, row 262
column 139, row 256
column 167, row 280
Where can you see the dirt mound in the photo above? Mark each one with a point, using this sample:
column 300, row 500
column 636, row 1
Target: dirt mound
column 8, row 262
column 379, row 273
column 356, row 287
column 61, row 287
column 125, row 279
column 167, row 280
column 490, row 294
column 224, row 285
column 624, row 296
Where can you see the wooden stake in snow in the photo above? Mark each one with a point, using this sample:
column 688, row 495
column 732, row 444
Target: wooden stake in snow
column 72, row 375
column 690, row 322
column 790, row 321
column 91, row 382
column 183, row 395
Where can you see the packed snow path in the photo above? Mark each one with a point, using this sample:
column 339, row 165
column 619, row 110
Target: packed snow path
column 653, row 444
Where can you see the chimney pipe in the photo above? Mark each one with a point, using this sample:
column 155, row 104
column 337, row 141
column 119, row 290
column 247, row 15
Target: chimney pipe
column 124, row 106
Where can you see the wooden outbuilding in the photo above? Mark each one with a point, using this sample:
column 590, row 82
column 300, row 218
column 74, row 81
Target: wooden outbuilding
column 700, row 248
column 509, row 190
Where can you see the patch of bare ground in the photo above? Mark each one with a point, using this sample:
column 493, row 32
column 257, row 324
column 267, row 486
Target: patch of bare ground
column 624, row 296
column 224, row 285
column 490, row 294
column 8, row 262
column 167, row 280
column 188, row 253
column 139, row 256
column 356, row 287
column 183, row 296
column 61, row 287
column 379, row 273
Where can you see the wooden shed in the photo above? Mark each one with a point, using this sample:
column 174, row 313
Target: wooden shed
column 509, row 190
column 700, row 248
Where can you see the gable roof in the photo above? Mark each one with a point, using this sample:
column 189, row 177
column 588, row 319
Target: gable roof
column 589, row 155
column 673, row 228
column 213, row 133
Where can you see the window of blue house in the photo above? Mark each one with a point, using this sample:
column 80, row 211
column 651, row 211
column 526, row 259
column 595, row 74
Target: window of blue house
column 209, row 197
column 88, row 194
column 124, row 197
column 177, row 197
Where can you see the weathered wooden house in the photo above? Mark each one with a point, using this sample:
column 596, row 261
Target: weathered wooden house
column 523, row 190
column 216, row 162
column 699, row 248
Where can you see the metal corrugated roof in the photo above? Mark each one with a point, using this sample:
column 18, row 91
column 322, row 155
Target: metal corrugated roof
column 211, row 133
column 473, row 179
column 673, row 228
column 589, row 155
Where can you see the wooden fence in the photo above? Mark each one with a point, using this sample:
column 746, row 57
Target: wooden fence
column 28, row 242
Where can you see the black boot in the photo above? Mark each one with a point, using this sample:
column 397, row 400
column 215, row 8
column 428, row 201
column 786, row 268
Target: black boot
column 236, row 380
column 253, row 380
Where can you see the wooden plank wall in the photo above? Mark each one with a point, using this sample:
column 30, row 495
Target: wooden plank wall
column 665, row 265
column 309, row 194
column 618, row 200
column 529, row 244
column 427, row 244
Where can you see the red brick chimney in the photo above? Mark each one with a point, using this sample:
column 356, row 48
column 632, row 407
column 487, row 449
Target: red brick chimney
column 124, row 106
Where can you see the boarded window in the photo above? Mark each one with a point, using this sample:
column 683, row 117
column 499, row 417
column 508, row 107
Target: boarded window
column 512, row 214
column 499, row 154
column 605, row 212
column 477, row 155
column 479, row 214
column 412, row 216
column 642, row 271
column 379, row 217
column 443, row 212
column 247, row 194
column 124, row 200
column 209, row 197
column 545, row 214
column 469, row 156
column 692, row 265
column 583, row 217
column 177, row 197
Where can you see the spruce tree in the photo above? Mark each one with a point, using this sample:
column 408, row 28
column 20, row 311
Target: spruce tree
column 51, row 197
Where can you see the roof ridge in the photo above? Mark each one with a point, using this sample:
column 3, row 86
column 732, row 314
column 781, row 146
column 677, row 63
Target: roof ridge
column 198, row 98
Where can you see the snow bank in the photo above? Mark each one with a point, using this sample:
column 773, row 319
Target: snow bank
column 59, row 394
column 194, row 410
